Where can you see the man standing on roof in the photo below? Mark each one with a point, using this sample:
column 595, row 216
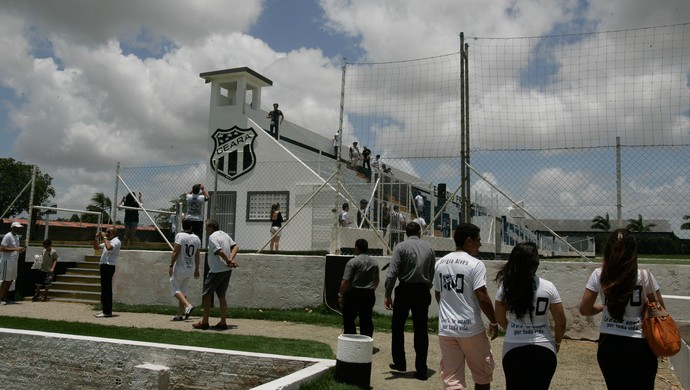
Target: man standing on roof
column 275, row 123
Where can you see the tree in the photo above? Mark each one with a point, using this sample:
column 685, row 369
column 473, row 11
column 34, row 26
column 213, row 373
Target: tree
column 686, row 225
column 638, row 225
column 99, row 203
column 601, row 223
column 163, row 220
column 14, row 175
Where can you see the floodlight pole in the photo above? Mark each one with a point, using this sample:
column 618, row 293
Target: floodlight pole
column 464, row 132
column 619, row 201
column 335, row 241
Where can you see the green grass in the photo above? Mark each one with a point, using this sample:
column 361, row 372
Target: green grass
column 319, row 315
column 327, row 382
column 271, row 345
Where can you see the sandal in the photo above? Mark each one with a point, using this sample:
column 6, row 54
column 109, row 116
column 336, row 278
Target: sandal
column 201, row 326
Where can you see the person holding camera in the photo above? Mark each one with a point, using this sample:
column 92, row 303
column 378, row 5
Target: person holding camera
column 110, row 246
column 195, row 208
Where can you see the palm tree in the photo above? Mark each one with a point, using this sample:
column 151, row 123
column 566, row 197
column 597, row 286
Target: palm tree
column 686, row 225
column 601, row 223
column 99, row 203
column 637, row 225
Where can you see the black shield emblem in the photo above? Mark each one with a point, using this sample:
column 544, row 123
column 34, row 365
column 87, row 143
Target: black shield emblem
column 233, row 153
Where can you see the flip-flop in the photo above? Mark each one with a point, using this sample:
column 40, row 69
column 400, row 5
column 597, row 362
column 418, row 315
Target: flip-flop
column 220, row 327
column 201, row 326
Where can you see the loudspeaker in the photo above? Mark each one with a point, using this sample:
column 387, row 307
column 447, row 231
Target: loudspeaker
column 441, row 189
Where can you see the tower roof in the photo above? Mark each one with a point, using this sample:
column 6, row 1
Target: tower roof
column 253, row 77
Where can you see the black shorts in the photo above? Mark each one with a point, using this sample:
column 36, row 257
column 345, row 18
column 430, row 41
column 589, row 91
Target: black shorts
column 218, row 283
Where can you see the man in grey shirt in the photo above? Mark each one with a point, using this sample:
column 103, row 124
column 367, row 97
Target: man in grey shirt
column 413, row 263
column 360, row 279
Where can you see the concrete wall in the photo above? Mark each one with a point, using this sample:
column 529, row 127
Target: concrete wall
column 35, row 360
column 278, row 281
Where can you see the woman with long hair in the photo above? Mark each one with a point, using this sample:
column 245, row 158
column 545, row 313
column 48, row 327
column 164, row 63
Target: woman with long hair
column 131, row 217
column 523, row 302
column 276, row 224
column 625, row 359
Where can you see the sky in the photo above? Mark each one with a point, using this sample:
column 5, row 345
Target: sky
column 85, row 84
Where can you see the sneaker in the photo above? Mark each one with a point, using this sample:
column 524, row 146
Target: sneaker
column 35, row 298
column 102, row 315
column 3, row 302
column 188, row 311
column 178, row 318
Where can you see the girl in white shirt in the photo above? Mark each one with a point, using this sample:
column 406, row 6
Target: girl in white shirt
column 523, row 302
column 625, row 359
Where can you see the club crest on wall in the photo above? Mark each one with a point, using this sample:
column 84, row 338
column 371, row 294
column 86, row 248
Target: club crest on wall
column 233, row 153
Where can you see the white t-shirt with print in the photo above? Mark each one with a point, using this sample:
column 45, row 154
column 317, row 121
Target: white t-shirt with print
column 632, row 317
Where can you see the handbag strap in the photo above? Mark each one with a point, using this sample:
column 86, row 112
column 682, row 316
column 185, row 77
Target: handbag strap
column 645, row 274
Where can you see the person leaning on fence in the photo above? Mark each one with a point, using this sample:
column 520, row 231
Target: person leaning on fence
column 523, row 303
column 462, row 296
column 131, row 217
column 195, row 208
column 49, row 258
column 184, row 264
column 276, row 223
column 357, row 290
column 624, row 357
column 9, row 259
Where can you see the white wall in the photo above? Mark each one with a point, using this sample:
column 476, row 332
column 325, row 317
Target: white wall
column 277, row 281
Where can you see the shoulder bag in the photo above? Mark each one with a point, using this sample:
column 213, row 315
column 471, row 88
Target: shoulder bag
column 658, row 327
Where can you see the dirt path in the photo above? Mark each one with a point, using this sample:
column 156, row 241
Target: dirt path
column 577, row 365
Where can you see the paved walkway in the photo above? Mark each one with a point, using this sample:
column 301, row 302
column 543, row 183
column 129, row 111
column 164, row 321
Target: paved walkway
column 577, row 366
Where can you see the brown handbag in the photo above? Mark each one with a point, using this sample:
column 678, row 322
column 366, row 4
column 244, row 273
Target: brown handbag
column 658, row 327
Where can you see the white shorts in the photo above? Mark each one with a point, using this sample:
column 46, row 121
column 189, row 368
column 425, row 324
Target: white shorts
column 274, row 229
column 8, row 270
column 179, row 283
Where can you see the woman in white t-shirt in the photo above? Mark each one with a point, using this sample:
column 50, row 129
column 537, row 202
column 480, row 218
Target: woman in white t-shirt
column 625, row 359
column 523, row 302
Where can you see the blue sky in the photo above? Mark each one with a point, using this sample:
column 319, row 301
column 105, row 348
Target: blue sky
column 86, row 84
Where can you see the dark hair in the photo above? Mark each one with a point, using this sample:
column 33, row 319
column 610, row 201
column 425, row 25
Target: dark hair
column 463, row 232
column 130, row 200
column 47, row 242
column 345, row 205
column 275, row 207
column 412, row 229
column 213, row 224
column 619, row 271
column 517, row 276
column 196, row 188
column 362, row 245
column 187, row 224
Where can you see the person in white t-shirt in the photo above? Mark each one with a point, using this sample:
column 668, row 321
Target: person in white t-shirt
column 184, row 265
column 624, row 357
column 9, row 261
column 222, row 251
column 195, row 208
column 523, row 303
column 462, row 296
